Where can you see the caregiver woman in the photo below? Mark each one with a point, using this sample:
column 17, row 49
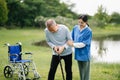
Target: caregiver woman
column 82, row 36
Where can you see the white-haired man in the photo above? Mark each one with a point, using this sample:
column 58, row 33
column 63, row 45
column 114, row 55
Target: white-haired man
column 57, row 36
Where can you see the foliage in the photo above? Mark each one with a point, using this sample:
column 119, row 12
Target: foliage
column 3, row 12
column 101, row 18
column 54, row 8
column 40, row 21
column 36, row 12
column 23, row 14
column 69, row 22
column 115, row 18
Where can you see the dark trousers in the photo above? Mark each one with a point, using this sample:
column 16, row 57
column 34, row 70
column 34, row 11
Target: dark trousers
column 54, row 64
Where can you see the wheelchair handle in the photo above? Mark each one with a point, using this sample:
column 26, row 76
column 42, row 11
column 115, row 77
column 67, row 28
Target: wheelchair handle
column 7, row 44
column 19, row 43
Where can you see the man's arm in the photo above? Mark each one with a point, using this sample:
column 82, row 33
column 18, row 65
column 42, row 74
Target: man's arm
column 48, row 40
column 68, row 37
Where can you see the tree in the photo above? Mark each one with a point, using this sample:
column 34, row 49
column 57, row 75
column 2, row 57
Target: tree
column 115, row 18
column 3, row 12
column 24, row 14
column 101, row 16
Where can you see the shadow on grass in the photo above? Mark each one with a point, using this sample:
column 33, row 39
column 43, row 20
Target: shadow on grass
column 41, row 43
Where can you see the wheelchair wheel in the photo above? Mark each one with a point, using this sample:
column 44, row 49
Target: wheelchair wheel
column 20, row 78
column 8, row 72
column 36, row 76
column 26, row 69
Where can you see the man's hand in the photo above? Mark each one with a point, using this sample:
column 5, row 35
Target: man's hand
column 56, row 49
column 61, row 49
column 70, row 42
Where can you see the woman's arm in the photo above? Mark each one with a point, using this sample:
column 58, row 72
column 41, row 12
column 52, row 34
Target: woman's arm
column 76, row 45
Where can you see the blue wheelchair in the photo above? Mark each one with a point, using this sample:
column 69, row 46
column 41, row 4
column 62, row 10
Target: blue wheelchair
column 19, row 66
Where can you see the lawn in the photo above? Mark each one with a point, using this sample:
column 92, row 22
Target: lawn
column 42, row 56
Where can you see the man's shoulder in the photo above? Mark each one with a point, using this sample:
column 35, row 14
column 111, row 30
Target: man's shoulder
column 45, row 29
column 62, row 26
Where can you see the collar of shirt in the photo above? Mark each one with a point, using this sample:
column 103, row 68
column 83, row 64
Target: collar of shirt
column 83, row 28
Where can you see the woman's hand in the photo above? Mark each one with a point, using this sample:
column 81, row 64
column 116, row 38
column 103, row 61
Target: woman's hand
column 70, row 42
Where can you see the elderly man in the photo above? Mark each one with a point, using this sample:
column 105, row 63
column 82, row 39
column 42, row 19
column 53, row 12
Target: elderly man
column 57, row 36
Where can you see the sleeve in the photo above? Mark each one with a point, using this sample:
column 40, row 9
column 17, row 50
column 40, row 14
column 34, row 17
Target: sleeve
column 72, row 34
column 87, row 38
column 48, row 40
column 79, row 45
column 68, row 37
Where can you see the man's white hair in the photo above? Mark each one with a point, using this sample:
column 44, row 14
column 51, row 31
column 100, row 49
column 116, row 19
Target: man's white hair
column 50, row 22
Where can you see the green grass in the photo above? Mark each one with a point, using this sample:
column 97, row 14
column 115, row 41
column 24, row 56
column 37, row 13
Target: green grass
column 104, row 71
column 42, row 56
column 105, row 32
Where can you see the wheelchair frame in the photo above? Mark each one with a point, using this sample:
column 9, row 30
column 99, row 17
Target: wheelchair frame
column 19, row 65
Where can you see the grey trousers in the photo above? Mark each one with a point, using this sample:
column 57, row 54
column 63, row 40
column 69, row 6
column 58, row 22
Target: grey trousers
column 84, row 70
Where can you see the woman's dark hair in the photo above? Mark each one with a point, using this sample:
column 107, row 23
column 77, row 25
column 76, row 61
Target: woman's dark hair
column 84, row 18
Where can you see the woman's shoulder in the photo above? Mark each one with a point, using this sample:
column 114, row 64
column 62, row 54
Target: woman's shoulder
column 89, row 29
column 76, row 26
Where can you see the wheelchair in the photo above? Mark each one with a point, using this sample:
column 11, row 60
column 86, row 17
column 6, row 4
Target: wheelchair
column 19, row 66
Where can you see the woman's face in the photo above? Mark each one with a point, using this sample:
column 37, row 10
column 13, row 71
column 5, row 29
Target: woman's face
column 81, row 23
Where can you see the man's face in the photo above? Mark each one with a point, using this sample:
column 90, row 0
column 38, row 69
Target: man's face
column 53, row 28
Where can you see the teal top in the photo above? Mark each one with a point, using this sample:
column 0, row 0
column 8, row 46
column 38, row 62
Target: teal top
column 84, row 36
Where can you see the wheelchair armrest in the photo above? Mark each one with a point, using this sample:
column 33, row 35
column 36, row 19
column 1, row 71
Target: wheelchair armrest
column 28, row 53
column 16, row 56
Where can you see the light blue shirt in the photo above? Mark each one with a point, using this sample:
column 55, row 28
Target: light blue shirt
column 59, row 38
column 83, row 36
